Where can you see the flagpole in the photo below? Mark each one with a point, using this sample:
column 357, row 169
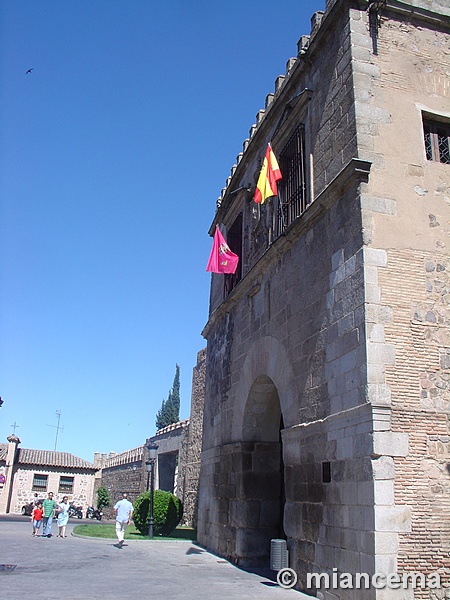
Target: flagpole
column 280, row 205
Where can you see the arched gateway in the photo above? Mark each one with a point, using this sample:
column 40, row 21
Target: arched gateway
column 247, row 492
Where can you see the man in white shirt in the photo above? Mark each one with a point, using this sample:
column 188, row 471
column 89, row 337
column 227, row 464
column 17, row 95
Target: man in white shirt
column 124, row 514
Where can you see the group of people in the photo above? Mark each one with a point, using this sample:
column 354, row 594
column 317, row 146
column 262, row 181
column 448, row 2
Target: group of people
column 44, row 511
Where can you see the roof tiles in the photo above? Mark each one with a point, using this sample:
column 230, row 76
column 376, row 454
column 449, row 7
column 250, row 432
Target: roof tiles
column 52, row 458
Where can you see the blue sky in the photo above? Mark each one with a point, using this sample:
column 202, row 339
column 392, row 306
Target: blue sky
column 113, row 152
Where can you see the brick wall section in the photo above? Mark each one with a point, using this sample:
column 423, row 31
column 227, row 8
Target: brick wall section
column 406, row 216
column 420, row 384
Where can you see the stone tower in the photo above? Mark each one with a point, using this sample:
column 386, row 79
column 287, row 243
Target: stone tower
column 327, row 397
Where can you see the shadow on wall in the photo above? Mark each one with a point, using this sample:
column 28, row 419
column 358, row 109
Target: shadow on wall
column 448, row 467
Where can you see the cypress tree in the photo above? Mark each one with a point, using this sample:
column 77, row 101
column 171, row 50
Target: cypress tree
column 161, row 416
column 170, row 409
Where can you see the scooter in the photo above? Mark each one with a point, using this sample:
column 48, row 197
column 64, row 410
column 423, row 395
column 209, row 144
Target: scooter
column 75, row 511
column 94, row 513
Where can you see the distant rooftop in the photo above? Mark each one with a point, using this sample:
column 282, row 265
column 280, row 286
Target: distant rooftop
column 48, row 458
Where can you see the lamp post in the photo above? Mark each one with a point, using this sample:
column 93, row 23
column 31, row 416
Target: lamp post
column 150, row 466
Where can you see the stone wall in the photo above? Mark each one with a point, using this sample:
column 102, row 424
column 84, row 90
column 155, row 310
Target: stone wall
column 189, row 471
column 313, row 369
column 121, row 473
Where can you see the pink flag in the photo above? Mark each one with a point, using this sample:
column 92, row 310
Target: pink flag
column 221, row 259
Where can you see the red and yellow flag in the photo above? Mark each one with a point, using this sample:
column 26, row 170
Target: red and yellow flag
column 267, row 181
column 221, row 259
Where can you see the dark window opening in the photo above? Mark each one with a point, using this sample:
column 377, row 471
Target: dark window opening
column 66, row 485
column 234, row 241
column 167, row 470
column 437, row 141
column 292, row 198
column 326, row 472
column 40, row 483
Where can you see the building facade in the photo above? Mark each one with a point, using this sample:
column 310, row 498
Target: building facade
column 25, row 472
column 327, row 400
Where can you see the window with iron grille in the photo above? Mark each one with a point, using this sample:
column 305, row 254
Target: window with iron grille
column 66, row 484
column 234, row 241
column 292, row 198
column 437, row 140
column 40, row 483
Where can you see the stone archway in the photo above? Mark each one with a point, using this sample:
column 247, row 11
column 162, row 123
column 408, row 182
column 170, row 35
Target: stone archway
column 266, row 358
column 260, row 500
column 259, row 417
column 262, row 413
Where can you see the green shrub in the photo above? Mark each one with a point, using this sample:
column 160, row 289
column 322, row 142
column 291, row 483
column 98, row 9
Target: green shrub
column 167, row 512
column 103, row 498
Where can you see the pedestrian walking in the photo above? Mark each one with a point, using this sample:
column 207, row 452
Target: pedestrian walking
column 36, row 518
column 63, row 516
column 124, row 514
column 49, row 508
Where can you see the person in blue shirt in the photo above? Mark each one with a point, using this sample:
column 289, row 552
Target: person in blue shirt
column 124, row 514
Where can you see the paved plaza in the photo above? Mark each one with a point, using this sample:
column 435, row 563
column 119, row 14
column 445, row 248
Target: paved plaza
column 77, row 568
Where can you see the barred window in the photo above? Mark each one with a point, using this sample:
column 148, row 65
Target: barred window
column 437, row 140
column 40, row 483
column 234, row 241
column 66, row 485
column 292, row 197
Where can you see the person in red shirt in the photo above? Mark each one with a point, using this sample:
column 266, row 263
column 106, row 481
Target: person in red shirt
column 36, row 517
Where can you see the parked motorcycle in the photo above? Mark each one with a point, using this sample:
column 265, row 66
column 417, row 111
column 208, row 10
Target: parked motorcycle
column 75, row 511
column 94, row 513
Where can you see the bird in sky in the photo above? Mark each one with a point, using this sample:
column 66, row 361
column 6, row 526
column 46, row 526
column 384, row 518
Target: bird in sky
column 29, row 71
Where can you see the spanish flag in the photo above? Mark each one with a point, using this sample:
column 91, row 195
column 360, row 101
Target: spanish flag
column 267, row 181
column 221, row 259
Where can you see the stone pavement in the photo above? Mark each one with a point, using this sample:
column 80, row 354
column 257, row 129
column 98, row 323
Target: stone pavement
column 77, row 568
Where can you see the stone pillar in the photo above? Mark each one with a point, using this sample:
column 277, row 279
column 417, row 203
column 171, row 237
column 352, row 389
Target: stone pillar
column 5, row 498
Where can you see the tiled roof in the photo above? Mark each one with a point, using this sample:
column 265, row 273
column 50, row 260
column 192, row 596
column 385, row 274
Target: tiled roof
column 51, row 458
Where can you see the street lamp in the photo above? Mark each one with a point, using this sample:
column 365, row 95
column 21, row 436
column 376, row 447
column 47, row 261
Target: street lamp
column 150, row 466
